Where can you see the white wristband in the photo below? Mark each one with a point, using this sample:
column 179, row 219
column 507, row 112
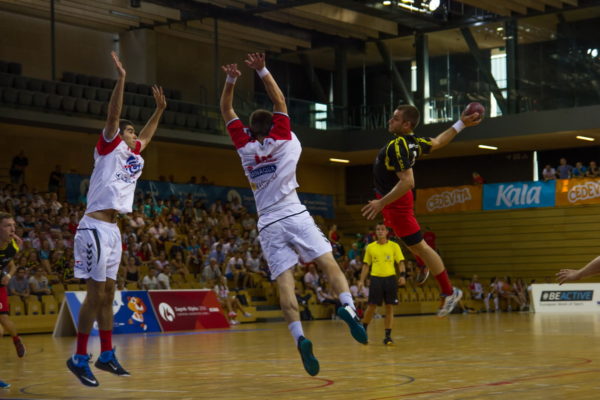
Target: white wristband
column 458, row 126
column 262, row 72
column 230, row 79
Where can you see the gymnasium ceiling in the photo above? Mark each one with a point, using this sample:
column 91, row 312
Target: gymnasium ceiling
column 286, row 28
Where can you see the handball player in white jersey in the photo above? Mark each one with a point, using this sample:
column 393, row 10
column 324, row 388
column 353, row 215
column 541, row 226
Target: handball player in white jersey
column 270, row 151
column 117, row 167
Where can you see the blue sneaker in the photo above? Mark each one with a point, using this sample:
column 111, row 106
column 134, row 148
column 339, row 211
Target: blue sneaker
column 108, row 362
column 4, row 385
column 356, row 328
column 80, row 367
column 311, row 364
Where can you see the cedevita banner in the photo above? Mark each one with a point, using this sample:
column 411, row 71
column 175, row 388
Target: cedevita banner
column 448, row 199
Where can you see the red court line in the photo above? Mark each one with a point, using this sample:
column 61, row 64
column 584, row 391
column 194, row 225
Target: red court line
column 328, row 382
column 499, row 383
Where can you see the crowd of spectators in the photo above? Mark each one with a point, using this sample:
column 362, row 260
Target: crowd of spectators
column 566, row 171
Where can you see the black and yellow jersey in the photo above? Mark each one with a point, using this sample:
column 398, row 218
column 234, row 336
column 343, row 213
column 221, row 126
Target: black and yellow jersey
column 7, row 253
column 398, row 155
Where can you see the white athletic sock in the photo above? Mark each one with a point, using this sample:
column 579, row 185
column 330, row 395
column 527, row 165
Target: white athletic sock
column 346, row 298
column 296, row 330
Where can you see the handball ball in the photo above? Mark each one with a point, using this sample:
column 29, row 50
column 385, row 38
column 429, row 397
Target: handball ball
column 475, row 108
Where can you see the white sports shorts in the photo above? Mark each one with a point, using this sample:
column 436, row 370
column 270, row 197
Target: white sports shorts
column 98, row 249
column 293, row 237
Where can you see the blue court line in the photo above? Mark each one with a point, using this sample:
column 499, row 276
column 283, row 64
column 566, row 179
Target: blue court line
column 206, row 332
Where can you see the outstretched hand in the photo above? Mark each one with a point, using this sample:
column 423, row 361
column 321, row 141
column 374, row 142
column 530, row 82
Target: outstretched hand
column 255, row 61
column 567, row 275
column 231, row 70
column 471, row 119
column 371, row 210
column 118, row 64
column 159, row 97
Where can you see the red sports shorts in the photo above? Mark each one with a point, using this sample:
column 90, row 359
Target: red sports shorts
column 3, row 300
column 400, row 216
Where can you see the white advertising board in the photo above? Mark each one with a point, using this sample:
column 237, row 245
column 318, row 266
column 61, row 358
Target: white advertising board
column 570, row 297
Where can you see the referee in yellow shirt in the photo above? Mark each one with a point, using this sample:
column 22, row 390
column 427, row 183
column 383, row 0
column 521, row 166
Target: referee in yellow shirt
column 386, row 262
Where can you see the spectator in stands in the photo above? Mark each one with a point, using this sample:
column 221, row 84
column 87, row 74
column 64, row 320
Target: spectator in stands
column 303, row 298
column 17, row 168
column 477, row 179
column 476, row 289
column 361, row 296
column 38, row 283
column 211, row 273
column 326, row 295
column 229, row 303
column 161, row 262
column 579, row 171
column 19, row 285
column 333, row 234
column 521, row 292
column 493, row 293
column 55, row 180
column 235, row 270
column 217, row 253
column 507, row 292
column 132, row 270
column 593, row 171
column 150, row 280
column 311, row 278
column 548, row 173
column 164, row 278
column 564, row 170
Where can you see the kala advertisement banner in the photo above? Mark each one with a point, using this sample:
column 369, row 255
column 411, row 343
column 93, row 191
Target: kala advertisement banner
column 132, row 313
column 317, row 204
column 184, row 310
column 571, row 192
column 513, row 195
column 448, row 199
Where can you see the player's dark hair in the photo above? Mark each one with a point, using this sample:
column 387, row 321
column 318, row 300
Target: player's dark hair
column 5, row 215
column 410, row 114
column 260, row 122
column 123, row 124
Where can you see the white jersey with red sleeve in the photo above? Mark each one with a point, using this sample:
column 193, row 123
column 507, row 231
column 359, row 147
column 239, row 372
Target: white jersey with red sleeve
column 116, row 171
column 271, row 165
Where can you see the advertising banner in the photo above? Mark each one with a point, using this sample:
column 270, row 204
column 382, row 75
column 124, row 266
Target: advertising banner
column 570, row 297
column 317, row 204
column 132, row 313
column 572, row 192
column 183, row 310
column 514, row 195
column 448, row 199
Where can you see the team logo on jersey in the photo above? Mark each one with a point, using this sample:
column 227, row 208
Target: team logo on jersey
column 267, row 169
column 131, row 169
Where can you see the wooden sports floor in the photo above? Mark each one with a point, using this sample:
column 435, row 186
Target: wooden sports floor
column 485, row 356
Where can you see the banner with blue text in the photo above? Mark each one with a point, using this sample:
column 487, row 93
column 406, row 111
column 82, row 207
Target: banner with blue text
column 317, row 204
column 505, row 196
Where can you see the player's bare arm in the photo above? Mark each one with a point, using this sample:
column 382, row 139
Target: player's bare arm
column 115, row 104
column 226, row 103
column 150, row 128
column 406, row 182
column 256, row 61
column 569, row 275
column 446, row 137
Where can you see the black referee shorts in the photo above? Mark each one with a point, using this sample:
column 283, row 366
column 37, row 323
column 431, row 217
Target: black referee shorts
column 383, row 289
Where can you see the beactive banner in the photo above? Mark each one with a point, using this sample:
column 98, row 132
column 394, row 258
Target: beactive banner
column 570, row 192
column 182, row 310
column 132, row 311
column 448, row 199
column 504, row 196
column 570, row 297
column 317, row 204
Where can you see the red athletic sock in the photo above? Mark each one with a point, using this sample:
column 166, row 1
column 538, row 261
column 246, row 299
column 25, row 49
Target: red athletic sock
column 16, row 339
column 82, row 340
column 105, row 341
column 444, row 283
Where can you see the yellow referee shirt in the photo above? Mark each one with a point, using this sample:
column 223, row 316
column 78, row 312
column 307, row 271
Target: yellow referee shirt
column 381, row 258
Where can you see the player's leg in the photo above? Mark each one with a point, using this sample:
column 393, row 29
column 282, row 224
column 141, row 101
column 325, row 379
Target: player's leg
column 10, row 327
column 107, row 361
column 281, row 258
column 289, row 305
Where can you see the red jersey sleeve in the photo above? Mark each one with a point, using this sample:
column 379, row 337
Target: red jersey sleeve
column 104, row 147
column 281, row 127
column 238, row 133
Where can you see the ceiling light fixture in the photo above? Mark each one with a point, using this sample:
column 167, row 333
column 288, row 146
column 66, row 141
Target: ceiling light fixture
column 587, row 138
column 433, row 5
column 387, row 2
column 485, row 146
column 339, row 160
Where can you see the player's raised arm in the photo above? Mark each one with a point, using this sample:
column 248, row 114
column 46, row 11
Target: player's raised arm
column 569, row 275
column 226, row 102
column 446, row 137
column 256, row 61
column 116, row 101
column 161, row 103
